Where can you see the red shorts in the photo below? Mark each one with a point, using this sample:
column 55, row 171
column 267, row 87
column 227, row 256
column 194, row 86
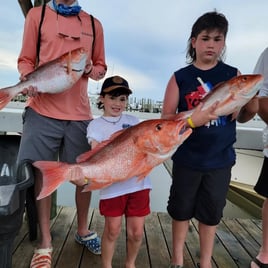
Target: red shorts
column 132, row 204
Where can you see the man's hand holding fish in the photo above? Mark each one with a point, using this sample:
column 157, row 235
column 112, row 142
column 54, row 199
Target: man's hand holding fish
column 248, row 111
column 30, row 91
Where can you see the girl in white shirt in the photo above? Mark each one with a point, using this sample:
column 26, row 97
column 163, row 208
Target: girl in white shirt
column 131, row 197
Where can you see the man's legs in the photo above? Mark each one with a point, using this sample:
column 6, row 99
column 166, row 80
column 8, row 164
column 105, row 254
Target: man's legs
column 43, row 211
column 43, row 252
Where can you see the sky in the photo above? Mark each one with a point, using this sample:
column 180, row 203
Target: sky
column 146, row 40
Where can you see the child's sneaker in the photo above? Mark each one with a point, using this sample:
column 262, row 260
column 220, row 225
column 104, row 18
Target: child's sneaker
column 91, row 241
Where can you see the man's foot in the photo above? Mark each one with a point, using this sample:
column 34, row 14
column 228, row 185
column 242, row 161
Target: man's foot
column 41, row 258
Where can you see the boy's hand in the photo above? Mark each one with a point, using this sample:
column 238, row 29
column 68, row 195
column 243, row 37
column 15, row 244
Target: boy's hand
column 201, row 117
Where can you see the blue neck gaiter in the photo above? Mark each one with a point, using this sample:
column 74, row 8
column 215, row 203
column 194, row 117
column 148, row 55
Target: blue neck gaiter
column 66, row 10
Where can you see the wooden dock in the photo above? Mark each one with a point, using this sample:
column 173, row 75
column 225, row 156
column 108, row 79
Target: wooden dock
column 237, row 242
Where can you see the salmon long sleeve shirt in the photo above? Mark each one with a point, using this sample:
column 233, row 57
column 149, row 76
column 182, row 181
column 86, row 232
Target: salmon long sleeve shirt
column 72, row 104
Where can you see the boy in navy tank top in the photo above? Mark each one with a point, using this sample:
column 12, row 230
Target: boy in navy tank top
column 202, row 165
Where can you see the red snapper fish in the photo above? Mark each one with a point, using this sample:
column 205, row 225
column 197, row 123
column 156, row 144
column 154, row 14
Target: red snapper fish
column 134, row 151
column 231, row 95
column 53, row 77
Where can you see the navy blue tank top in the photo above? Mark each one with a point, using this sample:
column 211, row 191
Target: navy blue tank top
column 208, row 147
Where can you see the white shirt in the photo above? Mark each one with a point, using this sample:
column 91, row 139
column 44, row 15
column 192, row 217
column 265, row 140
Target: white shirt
column 101, row 129
column 262, row 68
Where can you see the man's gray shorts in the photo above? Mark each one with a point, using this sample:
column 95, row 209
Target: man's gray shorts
column 45, row 138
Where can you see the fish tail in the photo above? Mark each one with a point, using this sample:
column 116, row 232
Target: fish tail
column 53, row 176
column 5, row 97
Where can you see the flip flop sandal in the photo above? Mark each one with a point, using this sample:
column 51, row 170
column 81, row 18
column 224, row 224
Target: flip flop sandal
column 41, row 258
column 259, row 263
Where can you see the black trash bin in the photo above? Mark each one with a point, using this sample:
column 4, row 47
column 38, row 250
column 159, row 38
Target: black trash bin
column 14, row 182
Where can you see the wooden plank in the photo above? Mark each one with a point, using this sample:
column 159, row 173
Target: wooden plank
column 237, row 255
column 59, row 230
column 253, row 228
column 166, row 224
column 71, row 252
column 237, row 242
column 23, row 232
column 258, row 223
column 27, row 247
column 157, row 248
column 243, row 236
column 26, row 250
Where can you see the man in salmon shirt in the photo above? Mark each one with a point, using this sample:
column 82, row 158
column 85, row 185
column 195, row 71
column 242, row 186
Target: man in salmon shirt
column 54, row 125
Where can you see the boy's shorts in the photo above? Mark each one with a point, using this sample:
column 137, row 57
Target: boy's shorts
column 198, row 194
column 46, row 138
column 261, row 186
column 132, row 204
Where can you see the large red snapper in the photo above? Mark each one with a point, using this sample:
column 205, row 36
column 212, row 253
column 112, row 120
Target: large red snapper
column 230, row 95
column 128, row 153
column 52, row 77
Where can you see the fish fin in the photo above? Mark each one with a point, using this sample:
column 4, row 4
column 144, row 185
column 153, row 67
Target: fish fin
column 93, row 185
column 53, row 175
column 87, row 155
column 117, row 133
column 84, row 156
column 5, row 97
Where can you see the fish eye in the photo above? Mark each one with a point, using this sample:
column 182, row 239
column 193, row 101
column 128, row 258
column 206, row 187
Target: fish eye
column 158, row 127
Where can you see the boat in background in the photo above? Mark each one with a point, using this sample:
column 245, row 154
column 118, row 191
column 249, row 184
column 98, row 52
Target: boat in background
column 245, row 173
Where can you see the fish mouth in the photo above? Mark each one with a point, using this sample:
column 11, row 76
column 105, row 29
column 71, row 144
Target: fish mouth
column 184, row 130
